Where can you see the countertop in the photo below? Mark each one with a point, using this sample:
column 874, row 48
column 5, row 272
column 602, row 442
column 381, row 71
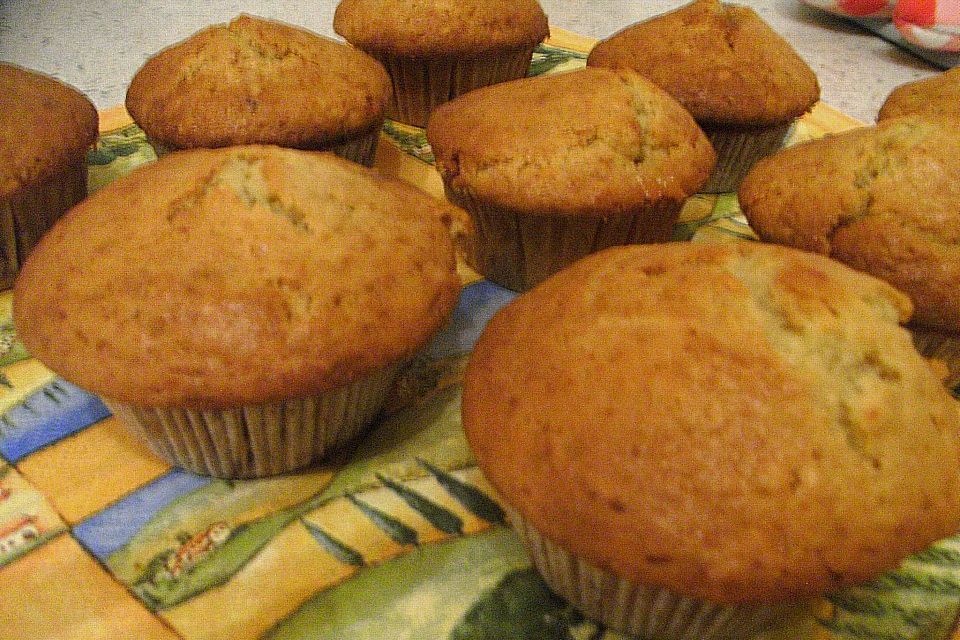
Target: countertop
column 97, row 47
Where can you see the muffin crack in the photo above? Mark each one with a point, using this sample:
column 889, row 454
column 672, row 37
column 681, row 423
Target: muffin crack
column 243, row 176
column 877, row 160
column 842, row 372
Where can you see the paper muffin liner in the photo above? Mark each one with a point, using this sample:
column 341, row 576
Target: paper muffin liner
column 518, row 250
column 421, row 84
column 737, row 151
column 943, row 346
column 29, row 212
column 361, row 148
column 647, row 612
column 258, row 440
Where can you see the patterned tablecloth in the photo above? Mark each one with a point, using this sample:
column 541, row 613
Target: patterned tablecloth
column 399, row 537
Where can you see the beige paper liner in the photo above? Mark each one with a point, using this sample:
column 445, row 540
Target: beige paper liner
column 259, row 440
column 29, row 212
column 943, row 346
column 651, row 613
column 361, row 149
column 737, row 152
column 518, row 250
column 421, row 84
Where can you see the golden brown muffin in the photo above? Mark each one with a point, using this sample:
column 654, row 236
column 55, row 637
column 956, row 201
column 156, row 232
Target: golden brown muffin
column 436, row 50
column 237, row 278
column 939, row 95
column 742, row 82
column 46, row 128
column 555, row 167
column 883, row 199
column 260, row 81
column 734, row 423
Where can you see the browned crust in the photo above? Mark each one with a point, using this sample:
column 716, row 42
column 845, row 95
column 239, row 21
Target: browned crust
column 883, row 199
column 589, row 142
column 736, row 422
column 236, row 276
column 721, row 61
column 440, row 28
column 46, row 126
column 939, row 95
column 258, row 81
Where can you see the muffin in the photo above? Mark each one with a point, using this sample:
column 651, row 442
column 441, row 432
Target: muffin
column 243, row 309
column 689, row 437
column 256, row 81
column 555, row 167
column 46, row 128
column 883, row 199
column 743, row 83
column 436, row 50
column 939, row 95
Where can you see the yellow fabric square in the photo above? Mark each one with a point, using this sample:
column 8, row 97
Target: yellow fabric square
column 92, row 468
column 58, row 591
column 290, row 569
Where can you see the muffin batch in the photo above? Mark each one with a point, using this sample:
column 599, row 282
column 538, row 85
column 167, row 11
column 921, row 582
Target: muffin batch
column 736, row 427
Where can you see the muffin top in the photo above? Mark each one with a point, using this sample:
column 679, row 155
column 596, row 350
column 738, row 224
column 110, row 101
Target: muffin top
column 883, row 199
column 426, row 28
column 235, row 276
column 45, row 126
column 939, row 95
column 735, row 422
column 721, row 61
column 588, row 142
column 257, row 81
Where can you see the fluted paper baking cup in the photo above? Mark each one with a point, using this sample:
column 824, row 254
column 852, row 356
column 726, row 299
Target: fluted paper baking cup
column 29, row 212
column 421, row 84
column 943, row 346
column 737, row 151
column 518, row 250
column 651, row 613
column 361, row 148
column 259, row 440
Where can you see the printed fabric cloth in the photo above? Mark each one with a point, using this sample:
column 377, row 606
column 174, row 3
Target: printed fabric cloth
column 930, row 24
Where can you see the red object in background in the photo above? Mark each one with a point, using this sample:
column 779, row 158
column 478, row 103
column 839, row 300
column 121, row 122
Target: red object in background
column 862, row 7
column 922, row 13
column 932, row 24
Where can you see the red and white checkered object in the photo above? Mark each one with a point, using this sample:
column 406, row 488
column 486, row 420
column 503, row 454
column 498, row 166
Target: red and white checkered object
column 931, row 24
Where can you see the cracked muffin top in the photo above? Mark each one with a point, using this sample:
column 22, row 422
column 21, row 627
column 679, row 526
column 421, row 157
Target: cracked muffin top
column 720, row 61
column 45, row 126
column 588, row 142
column 883, row 199
column 213, row 278
column 939, row 95
column 257, row 81
column 425, row 28
column 735, row 422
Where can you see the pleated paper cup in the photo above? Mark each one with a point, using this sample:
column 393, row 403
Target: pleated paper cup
column 651, row 613
column 258, row 440
column 518, row 250
column 421, row 84
column 737, row 151
column 941, row 345
column 361, row 148
column 29, row 212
